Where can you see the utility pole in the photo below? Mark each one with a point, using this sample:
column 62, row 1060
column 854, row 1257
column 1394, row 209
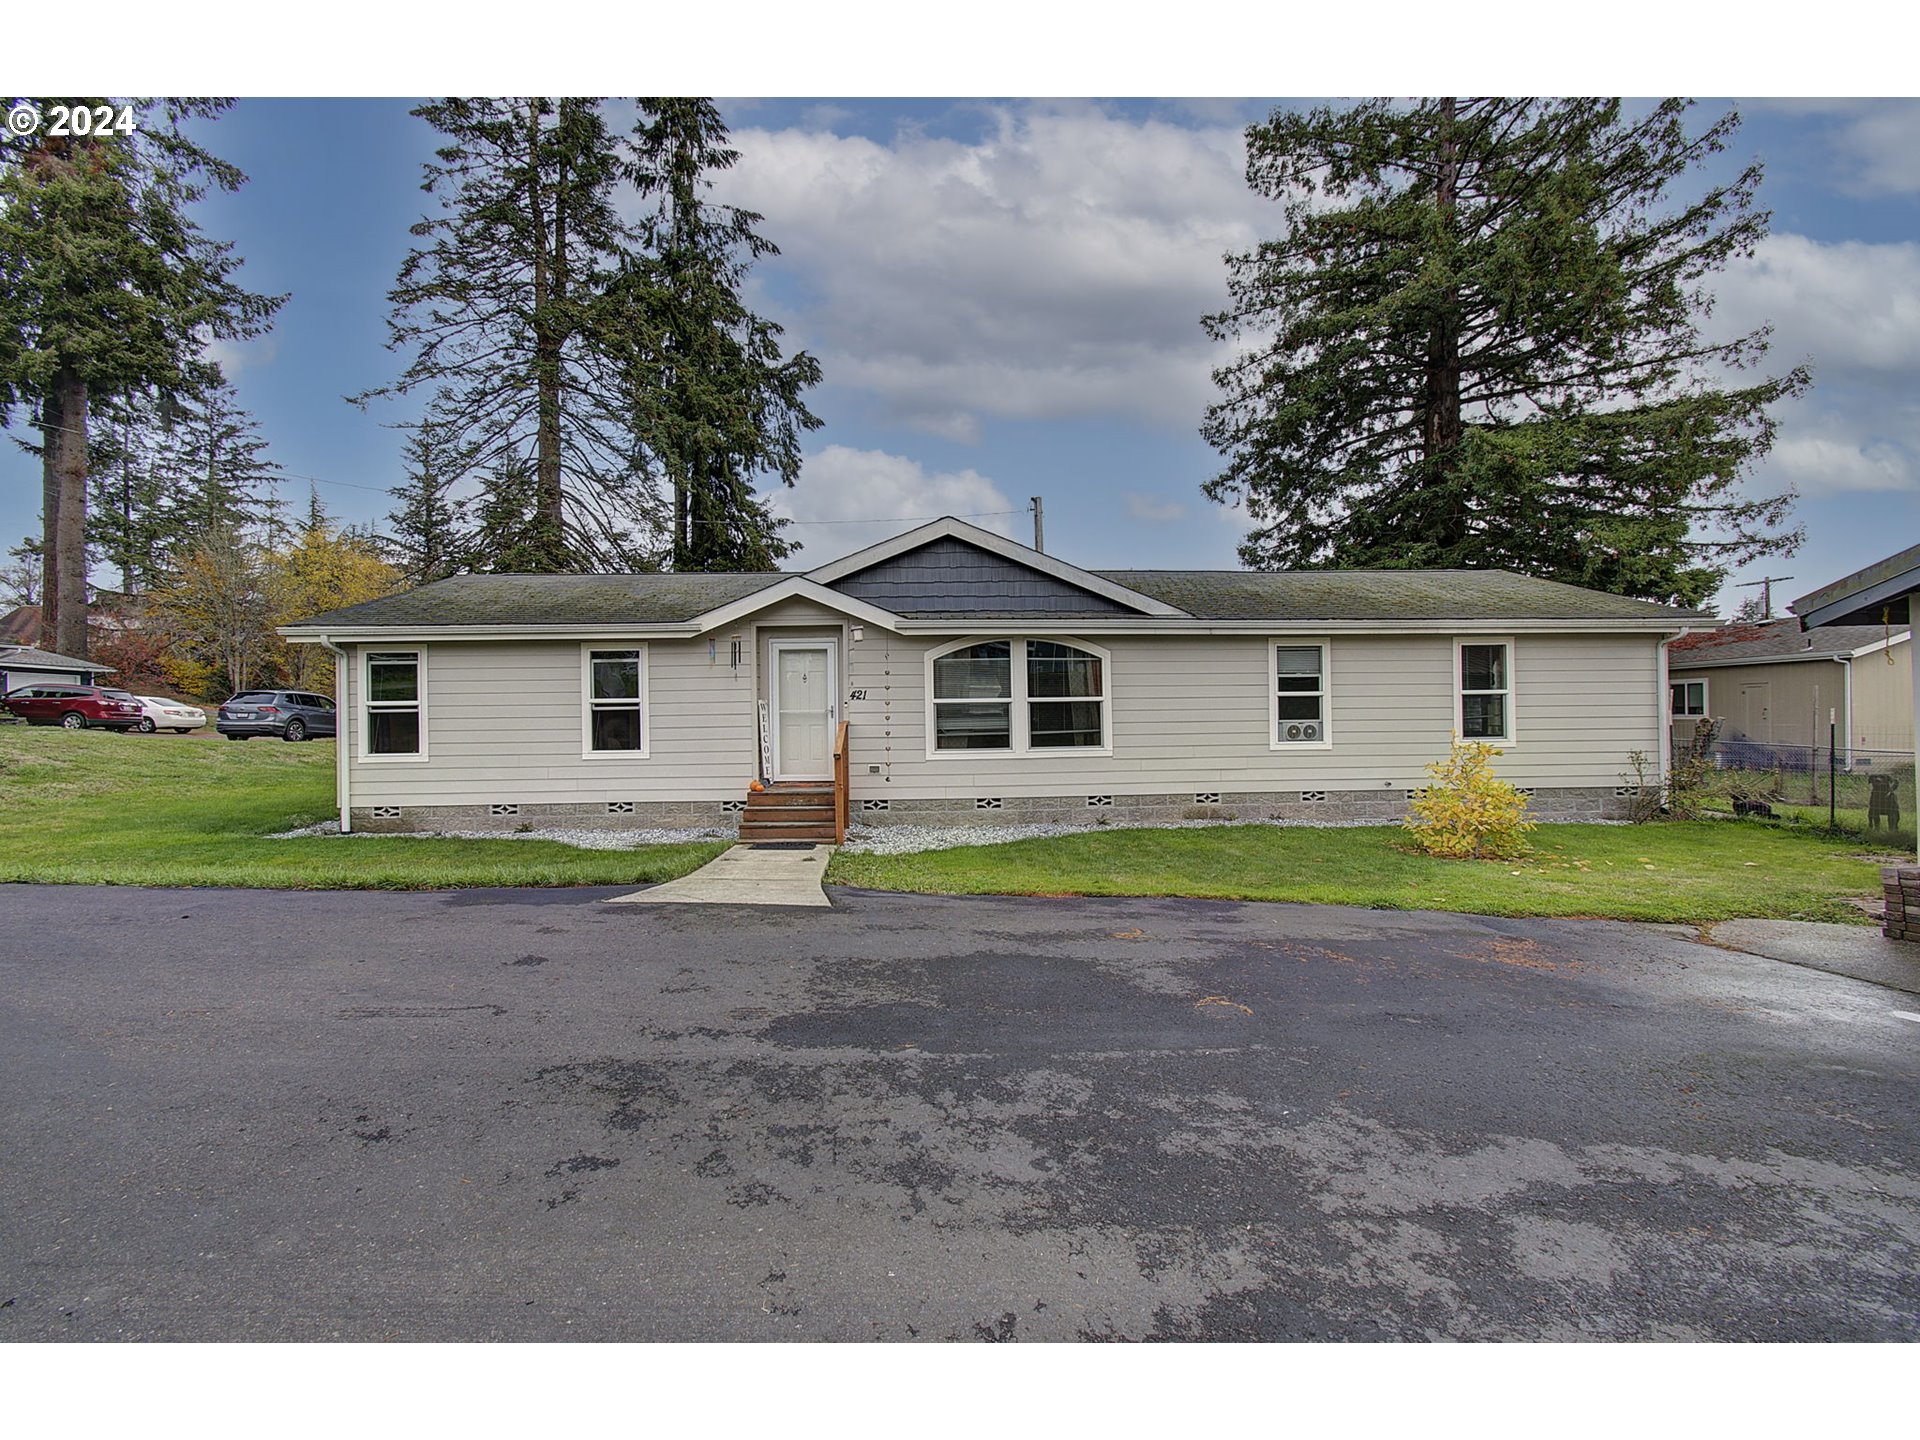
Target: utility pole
column 1039, row 524
column 1765, row 584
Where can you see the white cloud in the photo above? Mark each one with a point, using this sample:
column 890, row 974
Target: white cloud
column 233, row 356
column 1153, row 511
column 847, row 499
column 1852, row 310
column 1057, row 268
column 1851, row 306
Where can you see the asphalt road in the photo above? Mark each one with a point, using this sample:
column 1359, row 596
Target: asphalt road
column 237, row 1115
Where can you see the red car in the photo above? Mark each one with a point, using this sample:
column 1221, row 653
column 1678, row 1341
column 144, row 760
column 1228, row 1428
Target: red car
column 76, row 707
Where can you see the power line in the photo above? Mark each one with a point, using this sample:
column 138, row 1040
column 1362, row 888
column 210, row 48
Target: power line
column 280, row 475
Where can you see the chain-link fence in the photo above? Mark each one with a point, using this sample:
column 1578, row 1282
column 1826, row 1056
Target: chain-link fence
column 1863, row 792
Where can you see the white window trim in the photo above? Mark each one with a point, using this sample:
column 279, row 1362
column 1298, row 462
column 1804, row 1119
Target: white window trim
column 1299, row 642
column 1022, row 719
column 1458, row 681
column 587, row 752
column 1706, row 699
column 368, row 705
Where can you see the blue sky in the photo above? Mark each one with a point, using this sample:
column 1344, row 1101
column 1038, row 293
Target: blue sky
column 1006, row 294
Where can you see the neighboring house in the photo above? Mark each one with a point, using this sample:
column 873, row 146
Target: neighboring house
column 20, row 626
column 982, row 681
column 1774, row 684
column 24, row 665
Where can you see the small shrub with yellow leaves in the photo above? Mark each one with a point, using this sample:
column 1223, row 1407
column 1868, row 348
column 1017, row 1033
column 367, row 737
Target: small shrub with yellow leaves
column 1468, row 812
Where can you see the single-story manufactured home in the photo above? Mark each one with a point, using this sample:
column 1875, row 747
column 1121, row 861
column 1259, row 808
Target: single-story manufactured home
column 1775, row 684
column 950, row 675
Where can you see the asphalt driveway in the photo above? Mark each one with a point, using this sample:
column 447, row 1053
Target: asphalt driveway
column 526, row 1115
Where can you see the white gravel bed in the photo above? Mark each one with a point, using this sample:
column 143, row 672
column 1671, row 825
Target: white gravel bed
column 912, row 839
column 579, row 839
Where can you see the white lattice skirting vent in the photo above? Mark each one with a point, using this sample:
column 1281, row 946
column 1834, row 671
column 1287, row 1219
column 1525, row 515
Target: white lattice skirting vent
column 1099, row 802
column 503, row 809
column 1310, row 796
column 985, row 804
column 386, row 812
column 870, row 806
column 619, row 807
column 732, row 807
column 1206, row 797
column 1525, row 790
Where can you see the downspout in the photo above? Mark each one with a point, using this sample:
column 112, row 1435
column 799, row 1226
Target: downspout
column 1846, row 704
column 1663, row 700
column 342, row 729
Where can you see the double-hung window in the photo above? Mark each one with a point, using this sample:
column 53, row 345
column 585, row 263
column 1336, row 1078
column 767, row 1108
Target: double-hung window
column 1017, row 696
column 395, row 706
column 1689, row 699
column 1298, row 706
column 1484, row 690
column 615, row 682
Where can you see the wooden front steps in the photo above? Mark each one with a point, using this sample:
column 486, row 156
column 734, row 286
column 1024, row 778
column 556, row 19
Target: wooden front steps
column 791, row 810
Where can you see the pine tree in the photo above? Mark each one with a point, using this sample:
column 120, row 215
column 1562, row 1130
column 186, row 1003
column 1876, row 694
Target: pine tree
column 717, row 404
column 511, row 537
column 427, row 533
column 224, row 483
column 107, row 287
column 1478, row 345
column 133, row 513
column 503, row 306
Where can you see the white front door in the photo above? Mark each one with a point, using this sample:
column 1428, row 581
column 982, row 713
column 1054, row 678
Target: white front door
column 803, row 709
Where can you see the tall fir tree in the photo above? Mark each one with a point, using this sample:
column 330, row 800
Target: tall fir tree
column 507, row 514
column 224, row 481
column 107, row 286
column 718, row 406
column 502, row 304
column 1478, row 344
column 427, row 532
column 134, row 521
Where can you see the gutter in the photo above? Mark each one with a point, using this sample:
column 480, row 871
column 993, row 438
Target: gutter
column 1012, row 625
column 342, row 722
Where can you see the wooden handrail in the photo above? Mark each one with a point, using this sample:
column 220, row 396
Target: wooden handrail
column 840, row 784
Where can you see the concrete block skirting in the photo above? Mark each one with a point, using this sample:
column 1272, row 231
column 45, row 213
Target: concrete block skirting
column 1900, row 884
column 1384, row 807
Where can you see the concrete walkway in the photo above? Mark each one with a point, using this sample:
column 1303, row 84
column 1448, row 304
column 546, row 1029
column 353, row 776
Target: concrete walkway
column 745, row 875
column 1851, row 950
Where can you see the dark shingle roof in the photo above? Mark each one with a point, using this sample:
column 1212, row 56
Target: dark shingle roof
column 1287, row 596
column 552, row 600
column 1292, row 595
column 26, row 656
column 1777, row 639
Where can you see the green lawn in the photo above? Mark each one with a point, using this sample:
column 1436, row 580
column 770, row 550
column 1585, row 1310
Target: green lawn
column 1694, row 873
column 95, row 808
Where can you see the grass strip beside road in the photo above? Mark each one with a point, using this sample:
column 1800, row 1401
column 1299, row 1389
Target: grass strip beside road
column 94, row 808
column 1689, row 872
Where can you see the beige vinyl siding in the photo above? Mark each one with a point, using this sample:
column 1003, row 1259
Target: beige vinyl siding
column 1799, row 695
column 1191, row 713
column 1188, row 713
column 1883, row 699
column 503, row 726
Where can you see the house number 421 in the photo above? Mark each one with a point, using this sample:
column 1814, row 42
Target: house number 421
column 856, row 695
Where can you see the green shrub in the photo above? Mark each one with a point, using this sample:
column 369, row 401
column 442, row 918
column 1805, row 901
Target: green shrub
column 1468, row 812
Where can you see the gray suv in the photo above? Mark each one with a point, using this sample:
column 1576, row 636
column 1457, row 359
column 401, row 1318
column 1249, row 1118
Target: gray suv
column 290, row 714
